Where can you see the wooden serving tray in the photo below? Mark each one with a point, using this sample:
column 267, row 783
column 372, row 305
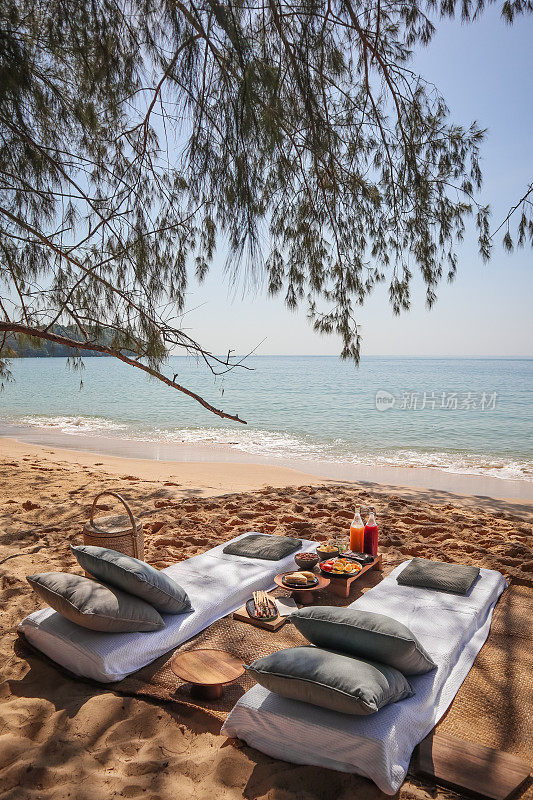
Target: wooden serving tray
column 340, row 584
column 273, row 625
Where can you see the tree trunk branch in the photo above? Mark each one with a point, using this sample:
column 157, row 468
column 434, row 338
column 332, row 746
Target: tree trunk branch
column 14, row 327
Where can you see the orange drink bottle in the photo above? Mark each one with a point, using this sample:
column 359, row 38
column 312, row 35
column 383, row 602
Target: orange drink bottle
column 370, row 541
column 357, row 532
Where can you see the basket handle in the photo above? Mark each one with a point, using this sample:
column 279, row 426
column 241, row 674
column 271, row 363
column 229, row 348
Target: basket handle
column 119, row 497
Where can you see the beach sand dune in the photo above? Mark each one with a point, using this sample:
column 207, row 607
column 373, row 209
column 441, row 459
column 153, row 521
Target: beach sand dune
column 61, row 738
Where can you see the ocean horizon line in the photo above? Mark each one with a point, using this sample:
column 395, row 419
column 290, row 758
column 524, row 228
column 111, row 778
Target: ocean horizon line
column 364, row 356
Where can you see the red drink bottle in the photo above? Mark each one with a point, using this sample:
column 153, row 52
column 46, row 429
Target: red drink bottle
column 370, row 542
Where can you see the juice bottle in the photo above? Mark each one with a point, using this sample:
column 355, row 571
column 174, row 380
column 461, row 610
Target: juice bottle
column 357, row 530
column 370, row 541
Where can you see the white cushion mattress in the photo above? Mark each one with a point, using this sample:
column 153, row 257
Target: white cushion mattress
column 451, row 628
column 216, row 583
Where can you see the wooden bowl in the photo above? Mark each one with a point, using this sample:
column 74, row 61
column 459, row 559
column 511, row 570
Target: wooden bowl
column 327, row 552
column 307, row 563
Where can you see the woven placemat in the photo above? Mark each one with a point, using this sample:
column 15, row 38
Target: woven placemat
column 241, row 640
column 492, row 707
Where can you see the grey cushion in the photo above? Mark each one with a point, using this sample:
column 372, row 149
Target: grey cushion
column 330, row 680
column 455, row 578
column 93, row 605
column 364, row 634
column 133, row 576
column 261, row 545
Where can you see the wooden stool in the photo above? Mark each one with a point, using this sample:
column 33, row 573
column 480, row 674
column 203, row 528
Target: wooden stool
column 207, row 671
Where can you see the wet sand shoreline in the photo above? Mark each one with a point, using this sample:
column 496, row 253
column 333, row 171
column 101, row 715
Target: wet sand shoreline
column 176, row 453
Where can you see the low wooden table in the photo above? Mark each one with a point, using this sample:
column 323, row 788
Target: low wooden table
column 207, row 671
column 341, row 584
column 306, row 594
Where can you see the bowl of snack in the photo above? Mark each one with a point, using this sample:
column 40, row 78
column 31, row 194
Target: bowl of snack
column 306, row 560
column 299, row 580
column 327, row 550
column 339, row 567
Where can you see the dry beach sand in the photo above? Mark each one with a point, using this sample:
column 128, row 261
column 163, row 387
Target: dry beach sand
column 60, row 738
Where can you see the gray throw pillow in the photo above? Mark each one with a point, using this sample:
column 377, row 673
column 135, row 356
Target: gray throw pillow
column 264, row 545
column 364, row 634
column 330, row 680
column 455, row 578
column 93, row 605
column 133, row 576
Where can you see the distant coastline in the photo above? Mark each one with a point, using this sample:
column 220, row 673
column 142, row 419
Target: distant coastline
column 16, row 346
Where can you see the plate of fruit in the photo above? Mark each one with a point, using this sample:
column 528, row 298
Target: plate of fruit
column 341, row 567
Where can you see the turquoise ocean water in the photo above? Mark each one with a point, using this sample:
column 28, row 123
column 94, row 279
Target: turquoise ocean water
column 464, row 416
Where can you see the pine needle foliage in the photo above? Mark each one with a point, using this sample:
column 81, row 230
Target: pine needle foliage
column 137, row 135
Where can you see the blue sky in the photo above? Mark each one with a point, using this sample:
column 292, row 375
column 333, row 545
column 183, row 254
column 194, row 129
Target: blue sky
column 485, row 72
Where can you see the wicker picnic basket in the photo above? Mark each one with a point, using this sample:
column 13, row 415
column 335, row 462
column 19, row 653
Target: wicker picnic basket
column 121, row 532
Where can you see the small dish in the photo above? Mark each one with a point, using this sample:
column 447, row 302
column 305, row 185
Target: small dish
column 255, row 613
column 310, row 583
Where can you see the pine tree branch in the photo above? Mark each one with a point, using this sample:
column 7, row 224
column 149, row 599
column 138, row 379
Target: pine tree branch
column 38, row 333
column 513, row 209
